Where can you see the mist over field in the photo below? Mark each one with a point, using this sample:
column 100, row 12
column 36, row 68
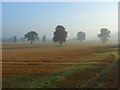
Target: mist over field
column 59, row 45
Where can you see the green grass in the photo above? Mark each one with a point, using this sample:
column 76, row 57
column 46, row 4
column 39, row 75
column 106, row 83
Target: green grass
column 102, row 79
column 37, row 81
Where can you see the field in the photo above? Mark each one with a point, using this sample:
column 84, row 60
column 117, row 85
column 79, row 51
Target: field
column 45, row 65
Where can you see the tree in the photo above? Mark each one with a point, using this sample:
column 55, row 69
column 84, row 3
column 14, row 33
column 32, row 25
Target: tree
column 11, row 39
column 15, row 39
column 31, row 36
column 44, row 38
column 81, row 36
column 38, row 38
column 104, row 35
column 60, row 35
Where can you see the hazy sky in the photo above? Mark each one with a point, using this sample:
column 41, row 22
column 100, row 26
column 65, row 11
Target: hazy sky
column 59, row 0
column 43, row 17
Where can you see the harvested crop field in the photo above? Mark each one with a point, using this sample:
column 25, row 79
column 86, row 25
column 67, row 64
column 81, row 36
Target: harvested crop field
column 70, row 66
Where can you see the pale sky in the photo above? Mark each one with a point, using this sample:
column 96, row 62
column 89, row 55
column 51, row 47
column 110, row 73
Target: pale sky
column 59, row 0
column 42, row 17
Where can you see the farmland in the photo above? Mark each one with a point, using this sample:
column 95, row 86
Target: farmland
column 45, row 65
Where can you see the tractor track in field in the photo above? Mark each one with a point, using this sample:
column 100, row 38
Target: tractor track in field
column 69, row 72
column 60, row 78
column 101, row 78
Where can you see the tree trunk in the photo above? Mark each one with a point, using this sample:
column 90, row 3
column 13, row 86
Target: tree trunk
column 31, row 42
column 60, row 43
column 81, row 41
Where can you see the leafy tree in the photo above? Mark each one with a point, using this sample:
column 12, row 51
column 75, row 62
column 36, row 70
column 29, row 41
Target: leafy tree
column 15, row 39
column 44, row 38
column 81, row 36
column 31, row 36
column 60, row 35
column 104, row 35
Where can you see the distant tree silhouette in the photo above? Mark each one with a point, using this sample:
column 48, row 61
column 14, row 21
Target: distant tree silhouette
column 38, row 38
column 31, row 36
column 11, row 39
column 60, row 35
column 15, row 39
column 81, row 36
column 44, row 38
column 104, row 35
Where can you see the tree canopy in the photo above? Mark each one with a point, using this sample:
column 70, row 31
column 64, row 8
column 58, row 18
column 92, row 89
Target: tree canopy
column 31, row 36
column 104, row 35
column 15, row 39
column 60, row 35
column 81, row 36
column 44, row 38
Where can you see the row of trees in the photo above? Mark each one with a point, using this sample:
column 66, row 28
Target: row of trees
column 32, row 36
column 60, row 35
column 104, row 35
column 28, row 36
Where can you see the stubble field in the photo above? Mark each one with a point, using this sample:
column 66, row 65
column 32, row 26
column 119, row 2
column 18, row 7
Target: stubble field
column 73, row 65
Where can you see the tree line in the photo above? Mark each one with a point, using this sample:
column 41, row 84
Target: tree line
column 60, row 35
